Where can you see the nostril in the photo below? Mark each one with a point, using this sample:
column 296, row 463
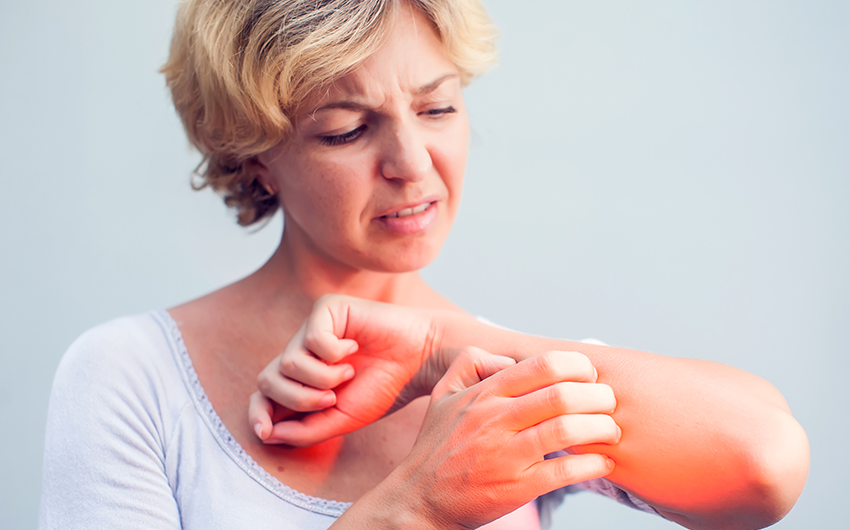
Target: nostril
column 406, row 167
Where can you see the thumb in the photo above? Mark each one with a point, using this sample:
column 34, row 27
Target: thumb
column 472, row 366
column 313, row 428
column 324, row 328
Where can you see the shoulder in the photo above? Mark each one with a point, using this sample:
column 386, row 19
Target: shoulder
column 116, row 339
column 116, row 398
column 127, row 363
column 127, row 347
column 118, row 381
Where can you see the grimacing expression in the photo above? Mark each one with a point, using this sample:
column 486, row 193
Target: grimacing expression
column 371, row 177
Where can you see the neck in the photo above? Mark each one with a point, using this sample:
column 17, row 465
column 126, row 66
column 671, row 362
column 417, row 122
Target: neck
column 301, row 276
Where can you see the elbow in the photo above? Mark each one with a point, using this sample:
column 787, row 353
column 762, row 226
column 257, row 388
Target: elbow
column 771, row 465
column 780, row 466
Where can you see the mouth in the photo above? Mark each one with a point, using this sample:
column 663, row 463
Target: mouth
column 412, row 219
column 407, row 212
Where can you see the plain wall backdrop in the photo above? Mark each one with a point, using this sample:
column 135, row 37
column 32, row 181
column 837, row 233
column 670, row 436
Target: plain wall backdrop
column 664, row 175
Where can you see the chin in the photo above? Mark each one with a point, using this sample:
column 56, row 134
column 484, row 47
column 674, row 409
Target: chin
column 407, row 260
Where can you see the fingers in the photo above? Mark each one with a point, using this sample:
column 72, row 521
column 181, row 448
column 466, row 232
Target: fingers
column 292, row 394
column 313, row 428
column 303, row 367
column 301, row 382
column 563, row 398
column 472, row 366
column 570, row 469
column 542, row 370
column 261, row 414
column 566, row 431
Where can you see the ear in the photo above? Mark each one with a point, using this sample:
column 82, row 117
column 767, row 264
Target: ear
column 257, row 166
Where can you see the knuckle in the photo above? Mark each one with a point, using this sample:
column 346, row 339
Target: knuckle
column 288, row 365
column 567, row 470
column 558, row 397
column 324, row 300
column 312, row 337
column 264, row 384
column 469, row 354
column 560, row 430
column 548, row 362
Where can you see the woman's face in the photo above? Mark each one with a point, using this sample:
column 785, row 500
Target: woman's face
column 371, row 178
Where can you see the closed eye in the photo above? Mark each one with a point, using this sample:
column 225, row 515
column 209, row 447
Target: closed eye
column 440, row 112
column 344, row 138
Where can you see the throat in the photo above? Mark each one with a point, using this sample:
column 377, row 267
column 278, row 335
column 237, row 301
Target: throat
column 304, row 277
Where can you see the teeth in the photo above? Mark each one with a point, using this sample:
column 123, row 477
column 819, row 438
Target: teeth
column 411, row 211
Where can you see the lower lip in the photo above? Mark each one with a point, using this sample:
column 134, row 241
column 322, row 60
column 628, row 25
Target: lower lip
column 411, row 224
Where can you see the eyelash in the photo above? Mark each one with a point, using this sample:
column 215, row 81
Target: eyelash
column 350, row 136
column 440, row 112
column 344, row 138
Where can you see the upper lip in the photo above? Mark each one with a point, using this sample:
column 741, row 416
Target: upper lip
column 413, row 204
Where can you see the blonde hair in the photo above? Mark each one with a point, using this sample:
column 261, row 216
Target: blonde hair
column 238, row 70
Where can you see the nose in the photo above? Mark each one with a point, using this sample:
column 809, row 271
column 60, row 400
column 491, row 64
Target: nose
column 404, row 154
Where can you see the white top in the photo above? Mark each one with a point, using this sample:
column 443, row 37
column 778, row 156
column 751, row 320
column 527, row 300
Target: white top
column 133, row 442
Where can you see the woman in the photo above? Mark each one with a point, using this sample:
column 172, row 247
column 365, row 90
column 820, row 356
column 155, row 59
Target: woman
column 350, row 116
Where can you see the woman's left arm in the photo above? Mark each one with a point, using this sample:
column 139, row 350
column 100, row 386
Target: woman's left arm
column 709, row 446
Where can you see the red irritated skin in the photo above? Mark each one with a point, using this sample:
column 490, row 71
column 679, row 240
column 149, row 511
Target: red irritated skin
column 370, row 183
column 707, row 445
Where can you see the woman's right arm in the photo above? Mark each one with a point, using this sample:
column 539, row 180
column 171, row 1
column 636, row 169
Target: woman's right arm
column 104, row 454
column 480, row 453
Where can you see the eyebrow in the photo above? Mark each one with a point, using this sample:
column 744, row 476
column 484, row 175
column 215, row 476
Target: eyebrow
column 353, row 105
column 433, row 85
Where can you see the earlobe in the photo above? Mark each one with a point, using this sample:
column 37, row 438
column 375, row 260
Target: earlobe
column 260, row 170
column 268, row 187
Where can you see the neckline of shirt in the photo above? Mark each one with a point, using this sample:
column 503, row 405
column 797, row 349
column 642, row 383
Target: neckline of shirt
column 222, row 435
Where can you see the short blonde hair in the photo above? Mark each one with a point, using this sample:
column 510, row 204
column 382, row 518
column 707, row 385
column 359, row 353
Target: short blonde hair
column 239, row 69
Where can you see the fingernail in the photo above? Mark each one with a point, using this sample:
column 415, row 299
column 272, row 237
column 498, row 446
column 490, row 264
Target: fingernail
column 349, row 373
column 258, row 428
column 352, row 349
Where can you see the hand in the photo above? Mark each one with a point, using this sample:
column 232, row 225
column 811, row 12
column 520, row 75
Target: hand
column 480, row 453
column 385, row 345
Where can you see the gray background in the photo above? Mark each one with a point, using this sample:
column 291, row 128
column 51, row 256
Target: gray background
column 668, row 176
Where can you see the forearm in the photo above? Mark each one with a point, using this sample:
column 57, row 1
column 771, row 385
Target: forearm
column 708, row 445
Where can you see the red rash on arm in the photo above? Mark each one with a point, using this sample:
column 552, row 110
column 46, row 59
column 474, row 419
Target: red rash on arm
column 706, row 444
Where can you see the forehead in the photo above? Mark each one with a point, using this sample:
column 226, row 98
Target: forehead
column 409, row 61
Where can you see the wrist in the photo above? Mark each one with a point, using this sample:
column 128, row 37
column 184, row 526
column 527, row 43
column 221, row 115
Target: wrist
column 394, row 504
column 454, row 330
column 435, row 357
column 443, row 345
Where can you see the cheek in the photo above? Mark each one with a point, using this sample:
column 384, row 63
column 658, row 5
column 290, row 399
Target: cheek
column 450, row 158
column 330, row 193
